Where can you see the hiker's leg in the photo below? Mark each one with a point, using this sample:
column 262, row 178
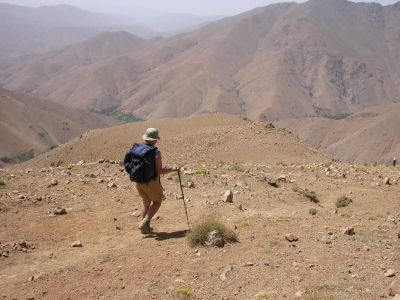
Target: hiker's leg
column 145, row 208
column 153, row 209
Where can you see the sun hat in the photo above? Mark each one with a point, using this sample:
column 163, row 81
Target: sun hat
column 151, row 135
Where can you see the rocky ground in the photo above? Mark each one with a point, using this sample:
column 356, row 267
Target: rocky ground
column 70, row 232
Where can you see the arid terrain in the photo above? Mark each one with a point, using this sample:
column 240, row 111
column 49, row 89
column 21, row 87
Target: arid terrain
column 30, row 125
column 289, row 246
column 371, row 135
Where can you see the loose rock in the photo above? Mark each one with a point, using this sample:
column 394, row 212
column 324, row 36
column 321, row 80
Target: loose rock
column 76, row 244
column 215, row 239
column 394, row 288
column 228, row 196
column 390, row 273
column 225, row 274
column 291, row 237
column 59, row 211
column 54, row 182
column 348, row 231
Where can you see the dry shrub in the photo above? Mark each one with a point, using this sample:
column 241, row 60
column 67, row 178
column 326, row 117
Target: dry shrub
column 307, row 193
column 343, row 201
column 198, row 235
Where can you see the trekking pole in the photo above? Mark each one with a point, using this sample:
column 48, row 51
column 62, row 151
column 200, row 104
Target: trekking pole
column 183, row 197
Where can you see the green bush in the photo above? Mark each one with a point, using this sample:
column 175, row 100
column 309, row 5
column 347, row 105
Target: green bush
column 183, row 293
column 201, row 172
column 198, row 235
column 312, row 211
column 307, row 193
column 343, row 201
column 2, row 182
column 26, row 156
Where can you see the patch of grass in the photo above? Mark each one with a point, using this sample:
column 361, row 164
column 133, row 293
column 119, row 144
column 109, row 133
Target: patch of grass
column 281, row 164
column 270, row 246
column 2, row 182
column 343, row 201
column 307, row 193
column 198, row 235
column 282, row 219
column 265, row 295
column 25, row 156
column 156, row 285
column 347, row 216
column 244, row 224
column 118, row 115
column 184, row 293
column 184, row 178
column 238, row 167
column 201, row 172
column 312, row 211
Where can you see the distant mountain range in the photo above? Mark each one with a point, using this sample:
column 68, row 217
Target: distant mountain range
column 320, row 58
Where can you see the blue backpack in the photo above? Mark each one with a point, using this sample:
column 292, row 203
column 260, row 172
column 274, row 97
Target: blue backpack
column 140, row 162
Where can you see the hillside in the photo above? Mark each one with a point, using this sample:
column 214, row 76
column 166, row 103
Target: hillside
column 32, row 31
column 371, row 135
column 319, row 58
column 71, row 231
column 30, row 125
column 197, row 139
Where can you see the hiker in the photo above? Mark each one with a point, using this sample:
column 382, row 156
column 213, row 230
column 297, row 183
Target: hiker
column 143, row 162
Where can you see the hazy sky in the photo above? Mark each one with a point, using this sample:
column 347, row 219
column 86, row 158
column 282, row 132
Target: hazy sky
column 197, row 7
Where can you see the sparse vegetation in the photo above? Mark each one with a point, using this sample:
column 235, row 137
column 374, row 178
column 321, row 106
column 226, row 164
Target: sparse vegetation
column 2, row 182
column 281, row 164
column 201, row 172
column 183, row 293
column 198, row 235
column 312, row 211
column 343, row 201
column 118, row 115
column 307, row 193
column 238, row 167
column 25, row 156
column 6, row 159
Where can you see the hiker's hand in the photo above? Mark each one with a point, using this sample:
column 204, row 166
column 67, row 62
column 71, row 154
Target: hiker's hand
column 175, row 168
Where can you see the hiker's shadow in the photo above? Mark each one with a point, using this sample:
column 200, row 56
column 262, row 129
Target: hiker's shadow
column 162, row 236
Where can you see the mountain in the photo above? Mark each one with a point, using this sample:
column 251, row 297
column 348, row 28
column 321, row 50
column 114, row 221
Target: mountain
column 371, row 135
column 30, row 125
column 26, row 32
column 326, row 58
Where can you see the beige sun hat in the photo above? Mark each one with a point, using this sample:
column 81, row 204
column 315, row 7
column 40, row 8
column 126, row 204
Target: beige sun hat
column 151, row 135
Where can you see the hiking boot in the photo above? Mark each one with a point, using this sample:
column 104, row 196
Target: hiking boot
column 144, row 226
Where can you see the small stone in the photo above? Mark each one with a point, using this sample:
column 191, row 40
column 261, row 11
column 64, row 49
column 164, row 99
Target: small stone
column 394, row 288
column 349, row 231
column 225, row 274
column 298, row 294
column 282, row 177
column 100, row 180
column 240, row 207
column 111, row 185
column 135, row 214
column 390, row 273
column 54, row 182
column 81, row 162
column 59, row 211
column 31, row 278
column 271, row 181
column 387, row 181
column 215, row 239
column 190, row 184
column 291, row 237
column 76, row 244
column 228, row 196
